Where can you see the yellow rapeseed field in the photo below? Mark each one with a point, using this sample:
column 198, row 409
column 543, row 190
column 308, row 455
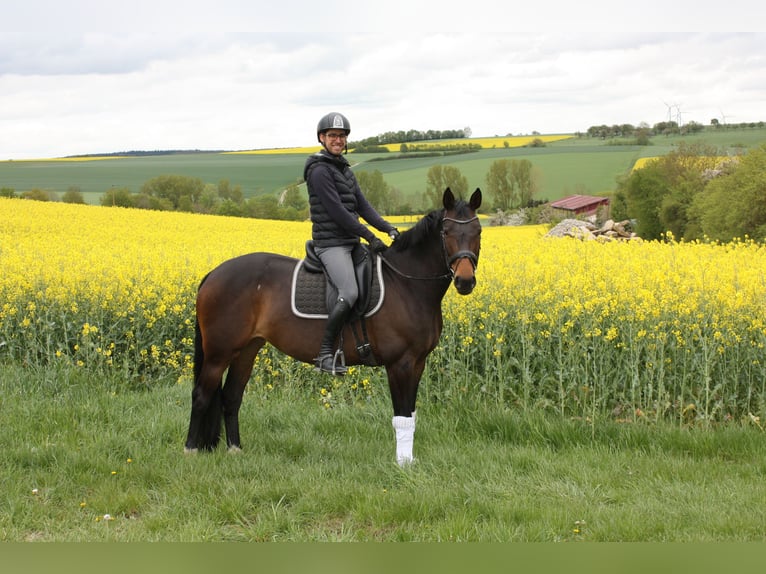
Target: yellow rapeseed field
column 700, row 162
column 628, row 329
column 70, row 159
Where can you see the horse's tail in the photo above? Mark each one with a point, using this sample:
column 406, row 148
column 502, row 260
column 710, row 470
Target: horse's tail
column 199, row 354
column 210, row 426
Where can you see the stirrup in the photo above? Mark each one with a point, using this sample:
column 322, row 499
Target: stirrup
column 335, row 364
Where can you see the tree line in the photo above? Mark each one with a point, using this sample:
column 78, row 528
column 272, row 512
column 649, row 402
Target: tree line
column 640, row 134
column 408, row 136
column 184, row 193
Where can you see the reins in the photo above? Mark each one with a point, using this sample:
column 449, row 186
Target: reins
column 414, row 277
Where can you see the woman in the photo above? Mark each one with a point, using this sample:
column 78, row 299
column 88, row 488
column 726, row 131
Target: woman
column 336, row 203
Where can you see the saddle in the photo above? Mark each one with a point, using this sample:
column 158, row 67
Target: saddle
column 312, row 294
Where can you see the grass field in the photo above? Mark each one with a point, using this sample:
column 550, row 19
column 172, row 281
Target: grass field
column 256, row 174
column 87, row 459
column 567, row 166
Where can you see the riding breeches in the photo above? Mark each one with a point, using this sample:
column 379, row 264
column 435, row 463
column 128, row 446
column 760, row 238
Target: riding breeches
column 339, row 265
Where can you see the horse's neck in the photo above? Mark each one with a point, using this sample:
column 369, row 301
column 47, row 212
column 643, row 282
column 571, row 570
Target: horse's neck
column 423, row 270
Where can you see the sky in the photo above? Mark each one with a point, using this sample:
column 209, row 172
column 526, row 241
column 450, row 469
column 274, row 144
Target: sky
column 86, row 77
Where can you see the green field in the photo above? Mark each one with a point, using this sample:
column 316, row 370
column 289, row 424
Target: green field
column 562, row 170
column 577, row 165
column 88, row 458
column 255, row 173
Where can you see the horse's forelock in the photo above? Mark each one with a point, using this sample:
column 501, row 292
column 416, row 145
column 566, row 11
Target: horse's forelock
column 462, row 210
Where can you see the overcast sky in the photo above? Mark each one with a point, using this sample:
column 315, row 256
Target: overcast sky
column 95, row 76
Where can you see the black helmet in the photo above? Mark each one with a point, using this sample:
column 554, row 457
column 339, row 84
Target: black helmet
column 333, row 121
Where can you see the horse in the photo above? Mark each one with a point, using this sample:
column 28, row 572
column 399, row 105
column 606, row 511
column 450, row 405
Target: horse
column 245, row 303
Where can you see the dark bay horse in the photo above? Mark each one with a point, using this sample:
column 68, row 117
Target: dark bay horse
column 245, row 302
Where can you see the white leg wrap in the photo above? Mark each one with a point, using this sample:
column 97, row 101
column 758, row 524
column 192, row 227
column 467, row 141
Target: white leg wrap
column 404, row 427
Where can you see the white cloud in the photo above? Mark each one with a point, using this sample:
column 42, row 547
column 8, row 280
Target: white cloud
column 102, row 86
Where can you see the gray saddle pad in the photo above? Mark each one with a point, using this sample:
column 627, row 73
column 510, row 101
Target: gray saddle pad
column 308, row 293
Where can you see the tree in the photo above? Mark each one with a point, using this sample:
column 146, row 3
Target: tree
column 660, row 194
column 524, row 180
column 642, row 136
column 226, row 191
column 209, row 199
column 733, row 204
column 38, row 194
column 117, row 197
column 262, row 207
column 440, row 178
column 512, row 183
column 73, row 194
column 175, row 187
column 500, row 185
column 293, row 198
column 144, row 201
column 228, row 207
column 376, row 190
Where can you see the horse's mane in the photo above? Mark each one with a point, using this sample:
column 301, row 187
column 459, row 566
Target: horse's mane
column 429, row 225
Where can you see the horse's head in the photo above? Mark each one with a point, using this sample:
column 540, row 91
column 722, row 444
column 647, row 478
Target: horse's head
column 461, row 235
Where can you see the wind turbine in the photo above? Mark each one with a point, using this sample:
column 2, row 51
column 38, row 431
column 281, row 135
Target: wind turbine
column 679, row 120
column 670, row 108
column 723, row 116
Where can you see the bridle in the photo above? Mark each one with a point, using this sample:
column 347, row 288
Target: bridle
column 462, row 254
column 448, row 259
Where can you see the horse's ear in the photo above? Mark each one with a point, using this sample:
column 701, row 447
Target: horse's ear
column 475, row 199
column 448, row 199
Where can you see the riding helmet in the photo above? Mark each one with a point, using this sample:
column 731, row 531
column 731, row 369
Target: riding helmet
column 333, row 121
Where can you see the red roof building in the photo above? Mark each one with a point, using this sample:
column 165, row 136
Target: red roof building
column 580, row 204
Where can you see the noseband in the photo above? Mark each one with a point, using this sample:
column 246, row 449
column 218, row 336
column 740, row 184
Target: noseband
column 463, row 254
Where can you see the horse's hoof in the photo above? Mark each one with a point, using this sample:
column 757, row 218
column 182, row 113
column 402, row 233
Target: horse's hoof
column 234, row 449
column 188, row 450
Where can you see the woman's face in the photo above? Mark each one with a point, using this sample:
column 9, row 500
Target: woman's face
column 334, row 141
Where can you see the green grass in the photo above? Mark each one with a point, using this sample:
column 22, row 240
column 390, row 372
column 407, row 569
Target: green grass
column 77, row 447
column 562, row 170
column 256, row 174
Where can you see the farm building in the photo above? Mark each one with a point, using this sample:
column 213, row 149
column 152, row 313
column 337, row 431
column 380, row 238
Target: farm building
column 580, row 205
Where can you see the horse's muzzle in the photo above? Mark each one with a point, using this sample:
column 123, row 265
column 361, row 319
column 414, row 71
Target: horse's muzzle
column 464, row 274
column 465, row 285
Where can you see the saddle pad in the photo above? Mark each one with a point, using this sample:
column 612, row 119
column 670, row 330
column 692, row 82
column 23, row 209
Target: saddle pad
column 308, row 293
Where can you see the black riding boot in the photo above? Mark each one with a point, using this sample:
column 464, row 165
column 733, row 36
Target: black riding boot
column 327, row 361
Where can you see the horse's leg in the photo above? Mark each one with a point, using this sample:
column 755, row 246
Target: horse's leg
column 403, row 381
column 236, row 380
column 205, row 420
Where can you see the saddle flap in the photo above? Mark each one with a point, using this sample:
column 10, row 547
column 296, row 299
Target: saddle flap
column 309, row 292
column 312, row 263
